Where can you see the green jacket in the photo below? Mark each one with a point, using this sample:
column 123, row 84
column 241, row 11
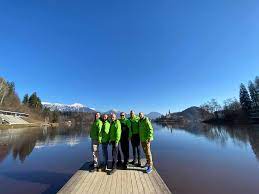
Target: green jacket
column 105, row 133
column 115, row 131
column 95, row 132
column 146, row 132
column 134, row 124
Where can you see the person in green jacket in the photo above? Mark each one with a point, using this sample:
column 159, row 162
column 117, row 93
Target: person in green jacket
column 115, row 136
column 95, row 135
column 124, row 141
column 146, row 134
column 105, row 135
column 135, row 140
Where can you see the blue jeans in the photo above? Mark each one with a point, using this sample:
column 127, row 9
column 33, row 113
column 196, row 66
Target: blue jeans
column 105, row 153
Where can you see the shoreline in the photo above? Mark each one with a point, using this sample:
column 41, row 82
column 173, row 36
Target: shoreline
column 14, row 126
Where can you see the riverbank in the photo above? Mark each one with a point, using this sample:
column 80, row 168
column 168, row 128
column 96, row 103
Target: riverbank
column 14, row 126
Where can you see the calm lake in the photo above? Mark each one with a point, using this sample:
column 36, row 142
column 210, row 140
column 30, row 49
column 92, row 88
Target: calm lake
column 194, row 159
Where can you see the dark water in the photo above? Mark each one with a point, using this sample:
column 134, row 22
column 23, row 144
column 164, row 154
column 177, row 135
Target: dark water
column 191, row 159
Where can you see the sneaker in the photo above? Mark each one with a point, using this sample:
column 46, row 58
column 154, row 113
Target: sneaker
column 149, row 170
column 139, row 164
column 124, row 166
column 133, row 162
column 112, row 171
column 146, row 165
column 119, row 164
column 104, row 168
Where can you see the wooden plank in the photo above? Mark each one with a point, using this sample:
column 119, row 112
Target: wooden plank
column 154, row 183
column 119, row 182
column 113, row 182
column 134, row 180
column 129, row 182
column 80, row 183
column 96, row 184
column 124, row 188
column 91, row 186
column 149, row 183
column 140, row 186
column 108, row 184
column 70, row 187
column 165, row 188
column 143, row 182
column 70, row 182
column 103, row 187
column 87, row 182
column 159, row 182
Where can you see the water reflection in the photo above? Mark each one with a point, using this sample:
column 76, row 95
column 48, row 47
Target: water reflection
column 221, row 156
column 239, row 135
column 21, row 142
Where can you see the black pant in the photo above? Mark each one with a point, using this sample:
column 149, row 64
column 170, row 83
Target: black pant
column 135, row 142
column 115, row 148
column 124, row 145
column 105, row 153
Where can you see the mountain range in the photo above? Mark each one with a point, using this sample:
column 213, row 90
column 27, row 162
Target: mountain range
column 77, row 107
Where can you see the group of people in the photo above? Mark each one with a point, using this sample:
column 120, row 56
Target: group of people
column 118, row 133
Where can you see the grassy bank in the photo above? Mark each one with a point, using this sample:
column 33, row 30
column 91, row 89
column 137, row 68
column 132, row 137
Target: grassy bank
column 13, row 126
column 20, row 126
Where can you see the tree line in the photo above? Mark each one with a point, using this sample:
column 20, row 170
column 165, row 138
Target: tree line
column 31, row 104
column 234, row 109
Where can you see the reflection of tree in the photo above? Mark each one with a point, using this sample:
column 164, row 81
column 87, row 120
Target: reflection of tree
column 21, row 142
column 23, row 150
column 254, row 141
column 240, row 135
column 4, row 151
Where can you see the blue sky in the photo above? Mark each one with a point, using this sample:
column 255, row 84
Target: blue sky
column 142, row 55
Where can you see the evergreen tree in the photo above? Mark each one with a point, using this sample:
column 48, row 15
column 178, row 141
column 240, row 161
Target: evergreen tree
column 33, row 100
column 55, row 116
column 46, row 112
column 11, row 88
column 257, row 83
column 244, row 98
column 38, row 105
column 253, row 94
column 25, row 99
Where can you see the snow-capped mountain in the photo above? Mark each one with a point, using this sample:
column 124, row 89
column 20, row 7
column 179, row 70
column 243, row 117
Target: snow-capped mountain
column 151, row 115
column 76, row 107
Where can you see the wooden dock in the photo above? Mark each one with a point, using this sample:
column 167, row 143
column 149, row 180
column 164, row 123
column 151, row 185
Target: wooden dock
column 132, row 180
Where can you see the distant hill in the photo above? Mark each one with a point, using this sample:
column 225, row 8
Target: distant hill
column 154, row 115
column 76, row 107
column 192, row 114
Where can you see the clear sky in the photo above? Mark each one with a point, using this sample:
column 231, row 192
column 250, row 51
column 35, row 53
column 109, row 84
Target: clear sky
column 130, row 54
